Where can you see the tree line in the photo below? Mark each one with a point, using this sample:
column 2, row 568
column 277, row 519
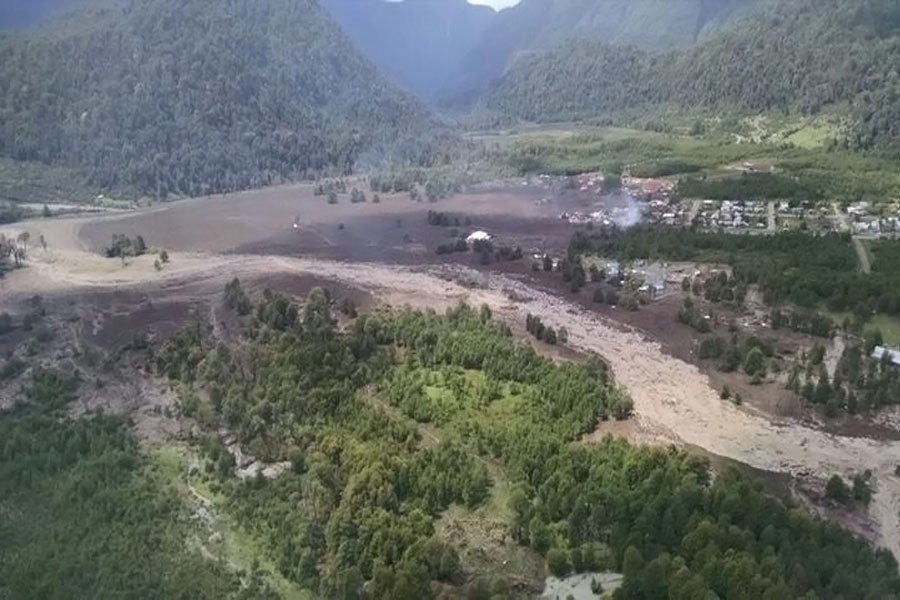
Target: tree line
column 751, row 187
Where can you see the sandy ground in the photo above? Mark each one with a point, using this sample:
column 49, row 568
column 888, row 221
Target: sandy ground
column 673, row 399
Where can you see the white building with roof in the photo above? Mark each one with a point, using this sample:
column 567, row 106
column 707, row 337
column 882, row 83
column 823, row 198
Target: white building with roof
column 879, row 351
column 478, row 236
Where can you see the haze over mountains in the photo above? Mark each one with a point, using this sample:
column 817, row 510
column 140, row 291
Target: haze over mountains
column 418, row 42
column 450, row 50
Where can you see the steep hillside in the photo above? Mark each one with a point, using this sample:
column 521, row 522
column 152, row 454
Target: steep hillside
column 197, row 96
column 535, row 25
column 418, row 42
column 792, row 55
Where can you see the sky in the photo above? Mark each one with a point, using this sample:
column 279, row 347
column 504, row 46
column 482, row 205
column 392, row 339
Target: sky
column 498, row 4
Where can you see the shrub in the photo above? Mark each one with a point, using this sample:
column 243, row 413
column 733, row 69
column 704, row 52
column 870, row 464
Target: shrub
column 6, row 323
column 836, row 489
column 862, row 491
column 755, row 362
column 713, row 347
column 559, row 562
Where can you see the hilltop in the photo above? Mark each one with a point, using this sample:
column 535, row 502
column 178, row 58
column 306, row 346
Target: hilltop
column 198, row 97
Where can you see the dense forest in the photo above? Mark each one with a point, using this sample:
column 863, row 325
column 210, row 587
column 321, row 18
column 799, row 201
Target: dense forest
column 357, row 514
column 539, row 25
column 188, row 98
column 752, row 187
column 794, row 56
column 85, row 514
column 806, row 270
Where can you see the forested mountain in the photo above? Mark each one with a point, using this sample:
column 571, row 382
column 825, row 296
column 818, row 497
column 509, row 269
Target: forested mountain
column 790, row 55
column 197, row 96
column 534, row 25
column 418, row 42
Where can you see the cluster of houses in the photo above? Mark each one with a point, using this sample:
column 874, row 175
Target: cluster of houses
column 878, row 226
column 786, row 210
column 648, row 188
column 603, row 217
column 653, row 278
column 662, row 208
column 590, row 182
column 665, row 212
column 647, row 278
column 864, row 223
column 819, row 218
column 729, row 214
column 598, row 217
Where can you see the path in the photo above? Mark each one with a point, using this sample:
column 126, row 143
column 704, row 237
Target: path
column 844, row 224
column 693, row 211
column 862, row 255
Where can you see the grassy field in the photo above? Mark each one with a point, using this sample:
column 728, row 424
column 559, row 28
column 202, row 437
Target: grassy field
column 795, row 148
column 221, row 537
column 888, row 325
column 810, row 135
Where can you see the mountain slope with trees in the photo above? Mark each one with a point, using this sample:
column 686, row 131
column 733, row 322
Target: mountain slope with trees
column 541, row 25
column 418, row 42
column 790, row 56
column 201, row 96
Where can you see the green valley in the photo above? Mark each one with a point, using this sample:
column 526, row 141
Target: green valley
column 427, row 300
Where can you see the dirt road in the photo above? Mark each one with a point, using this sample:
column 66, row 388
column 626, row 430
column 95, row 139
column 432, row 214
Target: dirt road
column 844, row 223
column 672, row 398
column 863, row 256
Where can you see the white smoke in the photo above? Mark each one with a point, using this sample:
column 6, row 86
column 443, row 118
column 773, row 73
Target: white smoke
column 623, row 209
